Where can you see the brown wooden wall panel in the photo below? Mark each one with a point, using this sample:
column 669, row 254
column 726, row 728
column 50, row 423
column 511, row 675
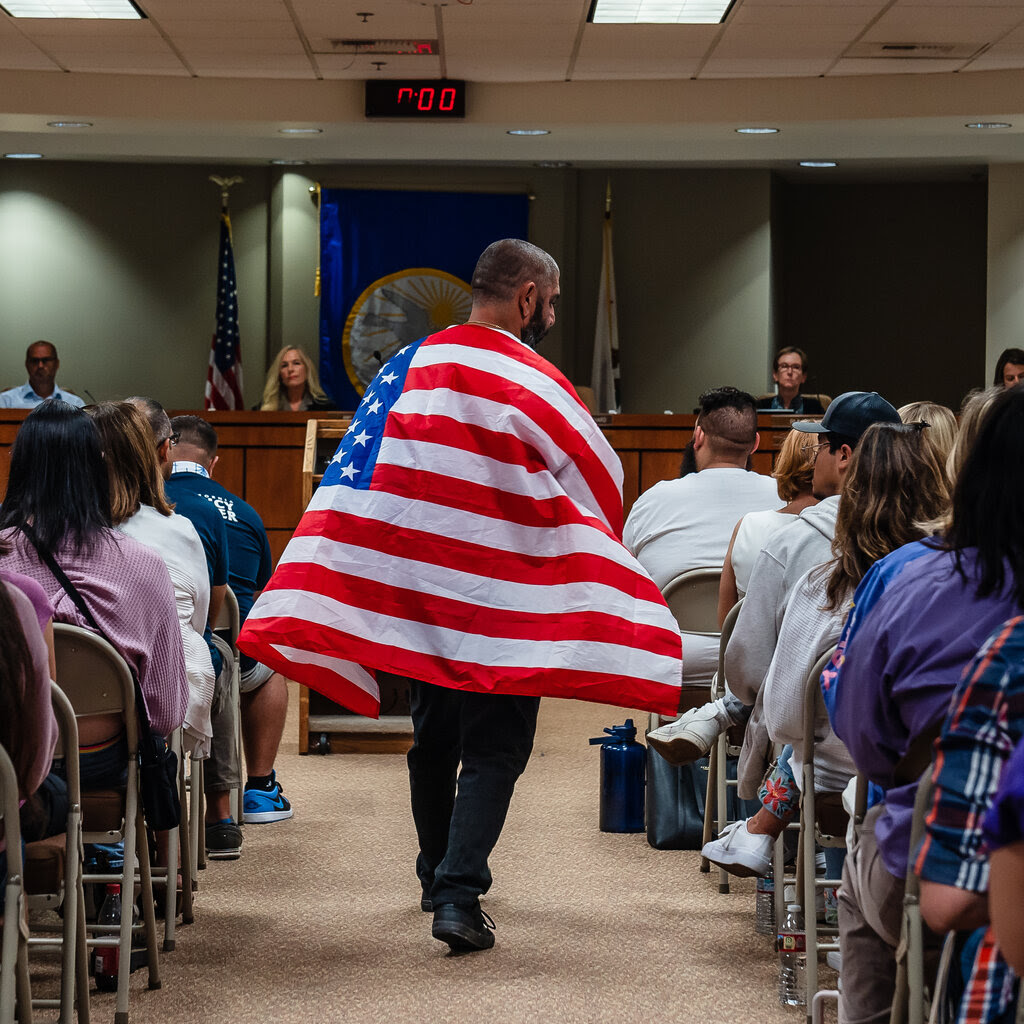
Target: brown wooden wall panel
column 229, row 471
column 273, row 485
column 261, row 456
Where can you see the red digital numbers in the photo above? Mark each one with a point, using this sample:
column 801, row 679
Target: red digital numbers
column 426, row 101
column 402, row 95
column 447, row 99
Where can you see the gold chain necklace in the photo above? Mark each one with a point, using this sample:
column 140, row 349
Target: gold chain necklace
column 484, row 323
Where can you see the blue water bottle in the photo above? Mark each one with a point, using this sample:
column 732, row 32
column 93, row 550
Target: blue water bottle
column 623, row 769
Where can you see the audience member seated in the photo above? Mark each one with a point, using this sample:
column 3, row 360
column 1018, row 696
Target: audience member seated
column 940, row 424
column 793, row 472
column 58, row 493
column 139, row 509
column 685, row 523
column 264, row 693
column 28, row 728
column 902, row 660
column 787, row 555
column 293, row 384
column 985, row 722
column 877, row 514
column 1009, row 368
column 790, row 374
column 1004, row 837
column 42, row 364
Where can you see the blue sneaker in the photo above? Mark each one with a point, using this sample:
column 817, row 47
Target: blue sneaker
column 260, row 806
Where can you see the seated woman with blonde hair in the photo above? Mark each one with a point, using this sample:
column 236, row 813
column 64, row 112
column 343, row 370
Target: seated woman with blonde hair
column 293, row 385
column 793, row 471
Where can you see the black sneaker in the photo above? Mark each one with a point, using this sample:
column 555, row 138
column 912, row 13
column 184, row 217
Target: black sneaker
column 463, row 928
column 223, row 841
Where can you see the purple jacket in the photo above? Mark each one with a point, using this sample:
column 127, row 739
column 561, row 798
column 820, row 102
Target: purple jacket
column 898, row 675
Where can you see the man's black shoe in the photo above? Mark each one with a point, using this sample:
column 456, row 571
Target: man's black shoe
column 463, row 928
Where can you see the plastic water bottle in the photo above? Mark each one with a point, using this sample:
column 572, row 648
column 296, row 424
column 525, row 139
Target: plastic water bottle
column 764, row 905
column 623, row 770
column 792, row 946
column 108, row 957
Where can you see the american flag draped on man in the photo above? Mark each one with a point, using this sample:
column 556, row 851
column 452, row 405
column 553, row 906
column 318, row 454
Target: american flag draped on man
column 466, row 533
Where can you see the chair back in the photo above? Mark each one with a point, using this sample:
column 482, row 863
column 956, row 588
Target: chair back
column 228, row 618
column 814, row 703
column 692, row 597
column 727, row 627
column 94, row 677
column 14, row 941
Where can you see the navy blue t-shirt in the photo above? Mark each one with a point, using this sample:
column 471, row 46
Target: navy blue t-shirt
column 213, row 533
column 249, row 559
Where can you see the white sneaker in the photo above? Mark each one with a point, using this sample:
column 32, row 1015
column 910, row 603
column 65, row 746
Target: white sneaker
column 739, row 852
column 835, row 960
column 692, row 735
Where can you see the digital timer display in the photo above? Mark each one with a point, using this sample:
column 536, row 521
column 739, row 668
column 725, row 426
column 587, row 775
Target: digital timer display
column 416, row 98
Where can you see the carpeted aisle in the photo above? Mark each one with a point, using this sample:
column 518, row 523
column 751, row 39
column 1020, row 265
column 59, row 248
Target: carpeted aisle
column 320, row 919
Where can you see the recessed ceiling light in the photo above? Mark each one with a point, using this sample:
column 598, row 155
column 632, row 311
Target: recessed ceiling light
column 649, row 12
column 123, row 10
column 988, row 124
column 23, row 156
column 300, row 131
column 757, row 131
column 290, row 163
column 818, row 163
column 528, row 131
column 69, row 124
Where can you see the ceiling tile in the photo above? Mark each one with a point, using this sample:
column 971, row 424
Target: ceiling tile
column 893, row 66
column 761, row 67
column 961, row 24
column 805, row 15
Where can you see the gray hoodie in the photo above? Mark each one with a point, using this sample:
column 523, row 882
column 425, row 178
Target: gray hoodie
column 789, row 553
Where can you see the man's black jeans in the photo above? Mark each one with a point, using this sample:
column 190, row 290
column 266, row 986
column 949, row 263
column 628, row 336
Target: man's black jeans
column 492, row 735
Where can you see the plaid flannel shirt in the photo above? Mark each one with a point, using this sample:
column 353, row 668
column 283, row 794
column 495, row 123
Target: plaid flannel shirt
column 985, row 722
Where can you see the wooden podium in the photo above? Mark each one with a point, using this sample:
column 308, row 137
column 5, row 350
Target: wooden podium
column 323, row 725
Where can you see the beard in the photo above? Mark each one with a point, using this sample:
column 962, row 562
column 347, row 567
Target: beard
column 532, row 332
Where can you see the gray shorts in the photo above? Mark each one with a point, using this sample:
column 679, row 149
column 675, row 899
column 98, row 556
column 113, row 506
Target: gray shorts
column 254, row 678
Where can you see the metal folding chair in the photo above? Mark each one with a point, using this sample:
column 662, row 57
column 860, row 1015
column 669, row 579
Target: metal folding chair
column 56, row 881
column 813, row 833
column 226, row 630
column 15, row 990
column 97, row 681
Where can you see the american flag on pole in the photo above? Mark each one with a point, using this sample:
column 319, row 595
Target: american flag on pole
column 466, row 533
column 224, row 377
column 604, row 377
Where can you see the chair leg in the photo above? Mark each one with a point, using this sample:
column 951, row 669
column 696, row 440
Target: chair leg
column 70, row 930
column 185, row 831
column 809, row 890
column 22, row 985
column 82, row 961
column 721, row 777
column 148, row 910
column 710, row 801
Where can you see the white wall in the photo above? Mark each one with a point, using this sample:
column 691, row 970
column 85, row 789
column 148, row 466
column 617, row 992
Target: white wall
column 116, row 265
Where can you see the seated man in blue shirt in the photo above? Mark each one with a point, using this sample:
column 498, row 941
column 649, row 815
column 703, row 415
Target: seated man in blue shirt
column 42, row 364
column 264, row 692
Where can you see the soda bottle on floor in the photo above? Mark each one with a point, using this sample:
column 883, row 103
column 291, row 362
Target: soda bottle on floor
column 764, row 905
column 792, row 946
column 108, row 957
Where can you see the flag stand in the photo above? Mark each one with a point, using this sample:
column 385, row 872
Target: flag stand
column 325, row 727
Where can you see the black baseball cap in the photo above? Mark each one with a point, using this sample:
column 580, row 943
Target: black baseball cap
column 851, row 414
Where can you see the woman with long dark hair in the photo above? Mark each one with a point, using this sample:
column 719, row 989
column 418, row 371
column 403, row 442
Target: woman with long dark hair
column 57, row 505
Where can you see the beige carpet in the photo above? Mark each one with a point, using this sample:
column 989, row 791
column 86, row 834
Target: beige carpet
column 320, row 920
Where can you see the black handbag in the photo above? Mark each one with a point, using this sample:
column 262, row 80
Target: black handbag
column 675, row 802
column 158, row 765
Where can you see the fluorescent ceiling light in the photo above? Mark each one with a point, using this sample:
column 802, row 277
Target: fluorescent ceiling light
column 651, row 12
column 124, row 10
column 300, row 131
column 989, row 124
column 757, row 131
column 528, row 131
column 23, row 156
column 69, row 124
column 818, row 163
